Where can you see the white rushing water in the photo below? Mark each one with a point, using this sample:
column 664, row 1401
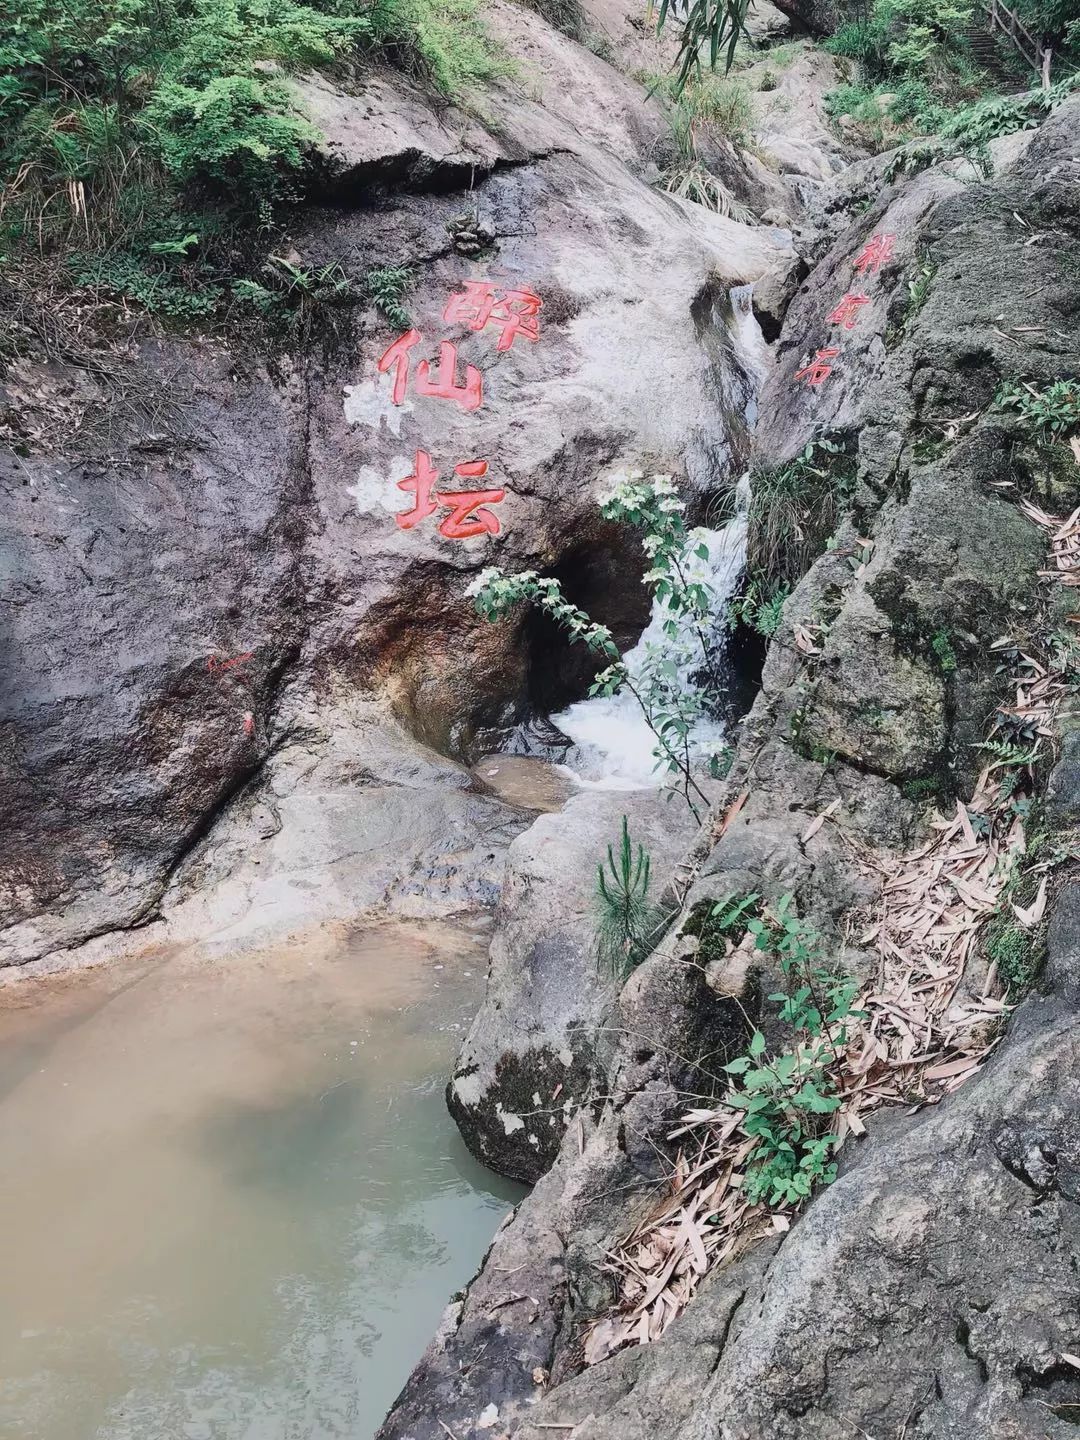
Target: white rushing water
column 613, row 746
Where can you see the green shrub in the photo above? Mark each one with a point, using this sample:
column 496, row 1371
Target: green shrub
column 860, row 40
column 761, row 606
column 923, row 31
column 443, row 41
column 162, row 131
column 626, row 919
column 789, row 1095
column 793, row 511
column 942, row 649
column 92, row 88
column 1053, row 412
column 1015, row 952
column 387, row 285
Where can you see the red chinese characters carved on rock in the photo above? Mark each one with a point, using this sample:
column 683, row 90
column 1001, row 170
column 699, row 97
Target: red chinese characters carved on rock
column 820, row 368
column 467, row 516
column 217, row 666
column 469, row 395
column 516, row 312
column 877, row 250
column 847, row 312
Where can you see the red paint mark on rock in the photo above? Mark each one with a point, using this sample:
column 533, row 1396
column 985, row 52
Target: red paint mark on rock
column 516, row 312
column 847, row 312
column 877, row 250
column 461, row 523
column 217, row 666
column 820, row 368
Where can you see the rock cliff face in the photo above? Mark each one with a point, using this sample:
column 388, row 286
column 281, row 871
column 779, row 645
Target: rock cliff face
column 204, row 570
column 928, row 1291
column 241, row 700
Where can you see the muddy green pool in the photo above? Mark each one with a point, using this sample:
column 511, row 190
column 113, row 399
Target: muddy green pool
column 231, row 1200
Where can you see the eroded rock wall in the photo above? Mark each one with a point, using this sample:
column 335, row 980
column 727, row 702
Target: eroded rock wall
column 929, row 1291
column 204, row 571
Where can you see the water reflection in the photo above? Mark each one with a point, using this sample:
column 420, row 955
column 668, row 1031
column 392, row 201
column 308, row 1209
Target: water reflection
column 238, row 1201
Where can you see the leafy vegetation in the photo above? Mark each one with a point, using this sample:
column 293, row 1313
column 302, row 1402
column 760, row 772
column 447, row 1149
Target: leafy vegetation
column 1053, row 413
column 388, row 286
column 705, row 107
column 443, row 42
column 941, row 647
column 707, row 28
column 905, row 36
column 793, row 511
column 1056, row 21
column 626, row 919
column 761, row 605
column 1014, row 951
column 789, row 1094
column 159, row 144
column 675, row 686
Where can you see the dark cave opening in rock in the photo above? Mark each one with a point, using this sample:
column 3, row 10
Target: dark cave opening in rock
column 602, row 575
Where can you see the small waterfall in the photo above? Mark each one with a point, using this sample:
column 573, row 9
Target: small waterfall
column 749, row 344
column 612, row 745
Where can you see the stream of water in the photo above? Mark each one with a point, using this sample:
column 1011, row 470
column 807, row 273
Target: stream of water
column 232, row 1201
column 613, row 746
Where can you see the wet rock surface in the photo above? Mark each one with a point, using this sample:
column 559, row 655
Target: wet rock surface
column 928, row 1291
column 207, row 546
column 240, row 700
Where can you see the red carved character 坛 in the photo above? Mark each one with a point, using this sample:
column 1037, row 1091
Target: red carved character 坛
column 420, row 483
column 467, row 516
column 462, row 522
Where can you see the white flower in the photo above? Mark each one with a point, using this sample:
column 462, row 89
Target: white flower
column 483, row 580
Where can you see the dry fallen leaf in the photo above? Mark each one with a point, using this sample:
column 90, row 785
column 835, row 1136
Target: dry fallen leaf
column 1031, row 916
column 819, row 820
column 920, row 1028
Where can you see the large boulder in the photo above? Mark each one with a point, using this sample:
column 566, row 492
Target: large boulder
column 534, row 1052
column 930, row 1290
column 195, row 581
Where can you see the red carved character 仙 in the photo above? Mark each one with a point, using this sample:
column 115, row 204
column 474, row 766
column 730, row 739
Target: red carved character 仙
column 443, row 385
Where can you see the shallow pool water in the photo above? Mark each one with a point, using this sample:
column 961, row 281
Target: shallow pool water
column 231, row 1200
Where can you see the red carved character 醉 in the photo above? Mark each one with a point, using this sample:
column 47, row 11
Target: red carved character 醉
column 516, row 312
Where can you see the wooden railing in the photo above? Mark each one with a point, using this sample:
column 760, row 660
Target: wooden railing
column 1033, row 51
